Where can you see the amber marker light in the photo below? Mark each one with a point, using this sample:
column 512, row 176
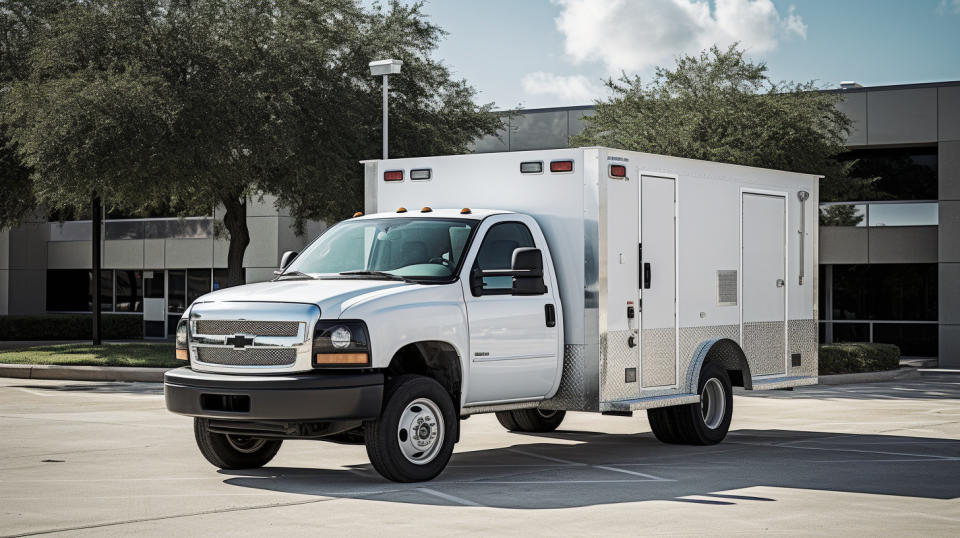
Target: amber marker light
column 183, row 355
column 342, row 358
column 465, row 211
column 358, row 214
column 401, row 210
column 426, row 209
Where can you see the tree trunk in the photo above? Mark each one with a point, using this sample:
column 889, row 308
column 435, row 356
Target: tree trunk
column 235, row 220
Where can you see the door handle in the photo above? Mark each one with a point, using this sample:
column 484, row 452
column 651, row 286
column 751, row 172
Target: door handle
column 550, row 315
column 646, row 276
column 780, row 283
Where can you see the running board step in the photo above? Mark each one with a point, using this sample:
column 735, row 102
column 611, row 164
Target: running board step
column 782, row 382
column 650, row 403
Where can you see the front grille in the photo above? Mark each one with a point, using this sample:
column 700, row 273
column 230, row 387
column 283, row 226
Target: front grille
column 247, row 357
column 237, row 326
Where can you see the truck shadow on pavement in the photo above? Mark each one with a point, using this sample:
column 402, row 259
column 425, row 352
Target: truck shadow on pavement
column 593, row 468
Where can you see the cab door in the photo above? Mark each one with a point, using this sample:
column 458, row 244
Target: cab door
column 514, row 339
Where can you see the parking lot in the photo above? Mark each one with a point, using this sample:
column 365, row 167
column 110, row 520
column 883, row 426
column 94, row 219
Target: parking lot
column 106, row 458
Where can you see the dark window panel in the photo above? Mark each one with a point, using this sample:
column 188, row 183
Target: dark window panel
column 198, row 283
column 177, row 293
column 68, row 290
column 220, row 279
column 901, row 173
column 914, row 340
column 851, row 332
column 885, row 292
column 153, row 284
column 129, row 291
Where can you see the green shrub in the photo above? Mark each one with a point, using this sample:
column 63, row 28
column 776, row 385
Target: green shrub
column 69, row 327
column 858, row 357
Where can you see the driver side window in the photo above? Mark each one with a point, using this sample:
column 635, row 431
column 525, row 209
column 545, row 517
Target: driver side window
column 496, row 251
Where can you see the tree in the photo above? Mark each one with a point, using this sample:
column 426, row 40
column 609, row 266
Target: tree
column 194, row 103
column 719, row 106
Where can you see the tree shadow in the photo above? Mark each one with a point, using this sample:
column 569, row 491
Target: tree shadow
column 101, row 388
column 590, row 468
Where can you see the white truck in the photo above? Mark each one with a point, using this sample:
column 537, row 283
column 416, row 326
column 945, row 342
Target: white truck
column 594, row 280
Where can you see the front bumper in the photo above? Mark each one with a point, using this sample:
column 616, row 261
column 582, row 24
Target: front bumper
column 297, row 397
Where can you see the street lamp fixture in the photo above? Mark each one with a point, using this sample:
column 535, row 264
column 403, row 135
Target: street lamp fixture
column 385, row 68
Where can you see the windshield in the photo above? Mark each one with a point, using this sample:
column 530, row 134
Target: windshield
column 416, row 248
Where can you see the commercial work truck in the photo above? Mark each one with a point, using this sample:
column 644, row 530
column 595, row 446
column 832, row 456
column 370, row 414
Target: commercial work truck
column 525, row 284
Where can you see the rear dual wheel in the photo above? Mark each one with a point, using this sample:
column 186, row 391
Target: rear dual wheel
column 531, row 420
column 704, row 423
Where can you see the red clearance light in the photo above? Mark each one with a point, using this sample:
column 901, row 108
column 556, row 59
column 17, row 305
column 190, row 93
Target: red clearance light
column 561, row 166
column 393, row 175
column 618, row 170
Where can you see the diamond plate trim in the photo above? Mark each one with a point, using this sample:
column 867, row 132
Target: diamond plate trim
column 690, row 340
column 617, row 356
column 659, row 365
column 763, row 345
column 248, row 356
column 802, row 335
column 257, row 328
column 572, row 393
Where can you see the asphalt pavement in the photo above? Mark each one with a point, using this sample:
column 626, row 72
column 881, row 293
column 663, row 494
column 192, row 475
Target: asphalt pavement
column 882, row 458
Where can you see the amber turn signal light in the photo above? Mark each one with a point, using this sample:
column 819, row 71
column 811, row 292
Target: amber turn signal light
column 342, row 358
column 183, row 355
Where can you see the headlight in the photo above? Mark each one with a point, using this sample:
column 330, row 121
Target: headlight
column 341, row 343
column 182, row 338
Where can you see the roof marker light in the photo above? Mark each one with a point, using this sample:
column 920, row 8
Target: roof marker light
column 426, row 209
column 393, row 175
column 618, row 170
column 358, row 214
column 401, row 210
column 561, row 166
column 531, row 167
column 420, row 174
column 465, row 211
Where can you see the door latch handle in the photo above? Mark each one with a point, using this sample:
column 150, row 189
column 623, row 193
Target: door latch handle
column 550, row 313
column 781, row 283
column 646, row 276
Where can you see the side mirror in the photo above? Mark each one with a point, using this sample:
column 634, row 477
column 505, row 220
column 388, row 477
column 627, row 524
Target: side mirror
column 287, row 257
column 527, row 269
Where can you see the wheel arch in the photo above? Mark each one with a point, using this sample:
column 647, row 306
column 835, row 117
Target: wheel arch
column 728, row 354
column 436, row 359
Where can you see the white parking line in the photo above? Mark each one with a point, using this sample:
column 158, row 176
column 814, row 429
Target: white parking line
column 448, row 497
column 548, row 458
column 644, row 475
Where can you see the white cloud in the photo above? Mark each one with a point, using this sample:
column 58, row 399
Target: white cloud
column 948, row 6
column 634, row 35
column 573, row 89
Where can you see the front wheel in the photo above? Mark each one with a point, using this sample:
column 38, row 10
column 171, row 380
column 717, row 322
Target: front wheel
column 413, row 438
column 233, row 451
column 531, row 420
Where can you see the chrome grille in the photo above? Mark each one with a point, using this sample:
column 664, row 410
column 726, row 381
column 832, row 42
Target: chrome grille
column 257, row 328
column 252, row 356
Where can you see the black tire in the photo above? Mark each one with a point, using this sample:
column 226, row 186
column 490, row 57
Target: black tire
column 387, row 439
column 231, row 451
column 707, row 422
column 662, row 423
column 531, row 420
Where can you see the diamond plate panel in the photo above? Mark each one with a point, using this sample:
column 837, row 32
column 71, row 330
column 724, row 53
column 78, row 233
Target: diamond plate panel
column 258, row 328
column 763, row 345
column 692, row 337
column 247, row 357
column 659, row 365
column 617, row 356
column 802, row 335
column 572, row 393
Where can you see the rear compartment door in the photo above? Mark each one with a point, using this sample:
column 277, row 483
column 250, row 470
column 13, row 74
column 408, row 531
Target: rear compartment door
column 658, row 281
column 764, row 288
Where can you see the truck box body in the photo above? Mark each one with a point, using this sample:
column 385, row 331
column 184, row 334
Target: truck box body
column 654, row 268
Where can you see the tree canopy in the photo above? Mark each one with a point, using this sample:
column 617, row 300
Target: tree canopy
column 193, row 103
column 720, row 106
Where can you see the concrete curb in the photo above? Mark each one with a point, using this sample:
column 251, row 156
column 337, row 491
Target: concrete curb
column 901, row 374
column 83, row 373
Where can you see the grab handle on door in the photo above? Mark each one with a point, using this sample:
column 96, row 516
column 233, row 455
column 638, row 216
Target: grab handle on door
column 646, row 276
column 550, row 313
column 781, row 283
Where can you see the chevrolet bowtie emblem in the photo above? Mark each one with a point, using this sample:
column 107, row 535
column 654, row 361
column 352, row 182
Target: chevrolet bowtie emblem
column 239, row 341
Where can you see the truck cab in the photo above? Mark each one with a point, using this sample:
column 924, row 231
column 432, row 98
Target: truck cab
column 459, row 304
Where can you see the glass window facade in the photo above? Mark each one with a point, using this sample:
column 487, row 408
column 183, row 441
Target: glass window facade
column 71, row 290
column 898, row 174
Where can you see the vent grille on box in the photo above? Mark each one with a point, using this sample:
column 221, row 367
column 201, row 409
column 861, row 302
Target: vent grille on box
column 727, row 287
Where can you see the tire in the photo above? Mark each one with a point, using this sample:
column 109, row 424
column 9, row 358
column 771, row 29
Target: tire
column 704, row 423
column 404, row 454
column 231, row 451
column 531, row 420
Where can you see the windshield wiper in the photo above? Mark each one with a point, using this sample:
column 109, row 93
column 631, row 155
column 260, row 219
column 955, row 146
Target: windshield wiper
column 381, row 274
column 295, row 275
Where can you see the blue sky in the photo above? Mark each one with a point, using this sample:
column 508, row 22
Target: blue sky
column 537, row 53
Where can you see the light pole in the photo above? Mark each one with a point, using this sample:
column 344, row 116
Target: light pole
column 385, row 68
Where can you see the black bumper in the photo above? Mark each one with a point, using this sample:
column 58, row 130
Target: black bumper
column 297, row 397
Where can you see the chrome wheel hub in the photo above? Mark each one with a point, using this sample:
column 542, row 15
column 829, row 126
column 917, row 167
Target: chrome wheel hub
column 713, row 403
column 420, row 431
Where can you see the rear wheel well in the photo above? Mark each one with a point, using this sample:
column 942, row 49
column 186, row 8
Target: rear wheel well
column 731, row 358
column 434, row 359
